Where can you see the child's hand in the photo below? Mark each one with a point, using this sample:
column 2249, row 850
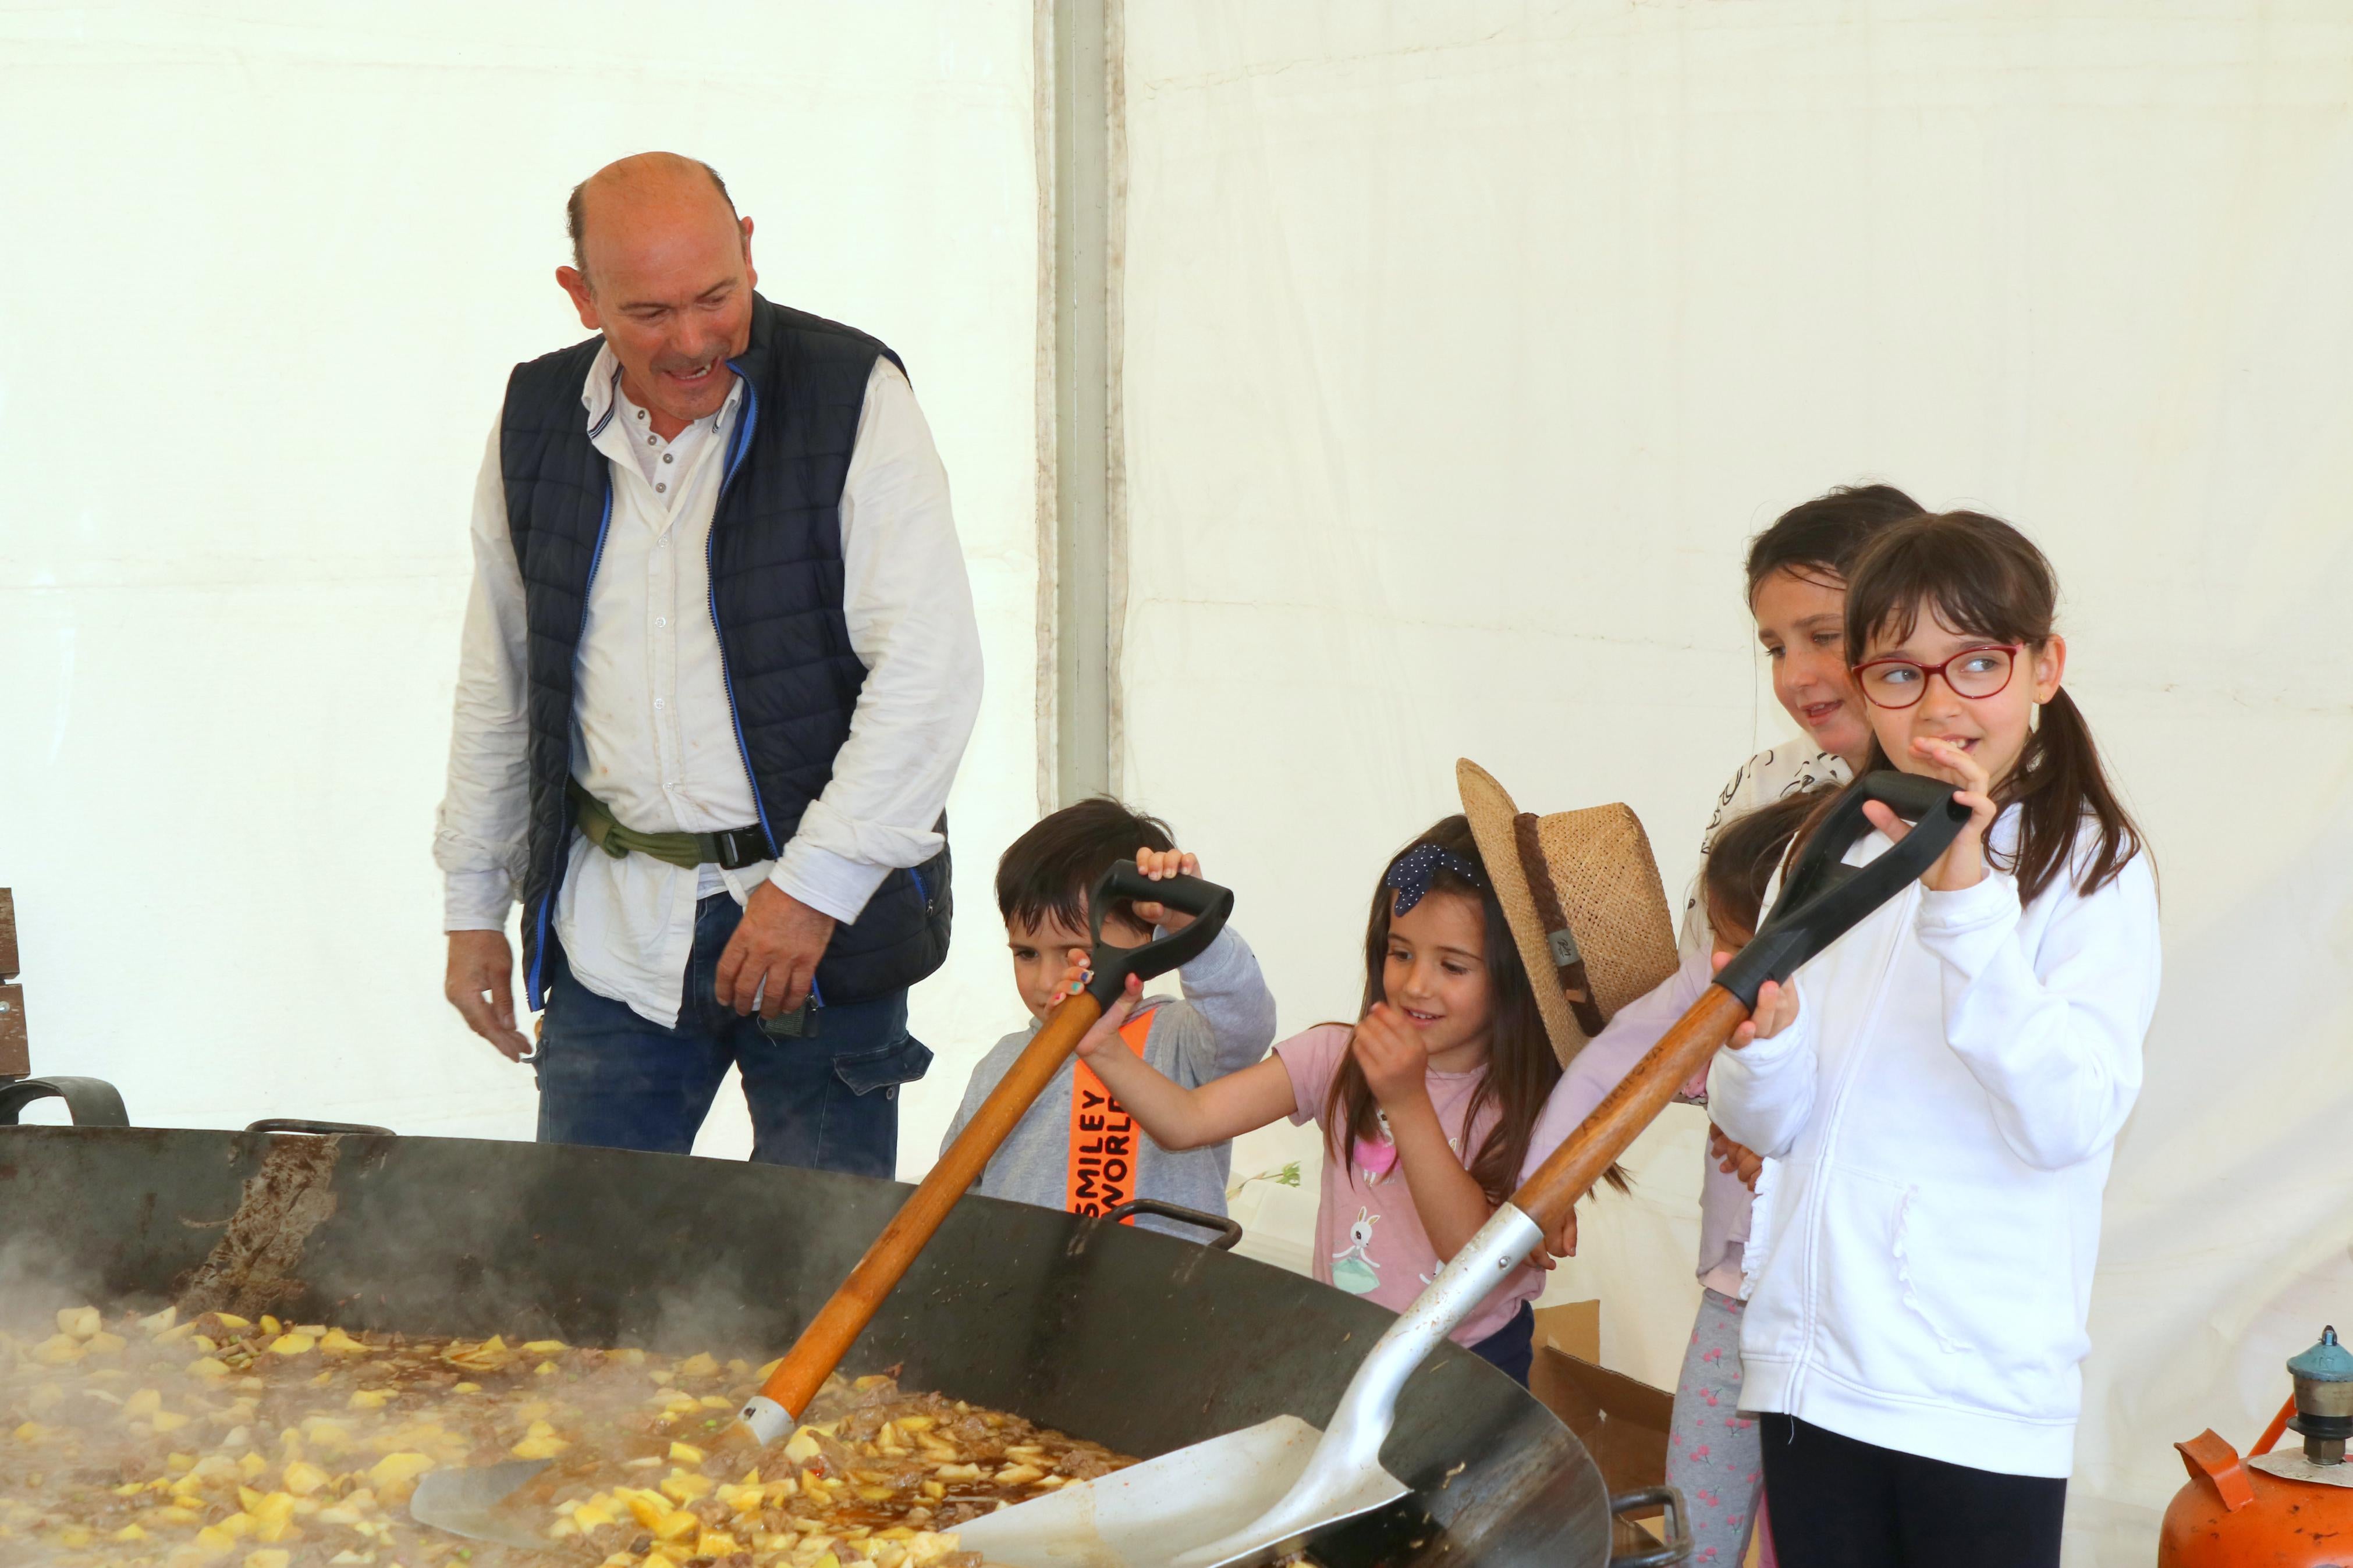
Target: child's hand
column 1160, row 865
column 1103, row 1034
column 1561, row 1240
column 1390, row 1051
column 1776, row 1010
column 1963, row 865
column 1733, row 1159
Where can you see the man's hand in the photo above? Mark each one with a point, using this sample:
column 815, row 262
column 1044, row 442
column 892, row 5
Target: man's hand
column 480, row 985
column 773, row 954
column 1160, row 865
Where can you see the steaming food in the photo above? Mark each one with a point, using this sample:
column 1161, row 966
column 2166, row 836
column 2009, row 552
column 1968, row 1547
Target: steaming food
column 222, row 1443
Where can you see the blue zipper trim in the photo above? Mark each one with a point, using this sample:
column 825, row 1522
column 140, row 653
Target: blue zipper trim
column 533, row 989
column 737, row 445
column 921, row 891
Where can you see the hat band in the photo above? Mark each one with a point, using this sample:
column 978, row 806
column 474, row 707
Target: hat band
column 1568, row 963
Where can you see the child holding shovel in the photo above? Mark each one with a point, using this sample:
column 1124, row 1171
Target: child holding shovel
column 1942, row 1087
column 1428, row 1100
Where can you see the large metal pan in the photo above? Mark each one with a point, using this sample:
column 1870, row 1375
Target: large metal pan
column 1139, row 1340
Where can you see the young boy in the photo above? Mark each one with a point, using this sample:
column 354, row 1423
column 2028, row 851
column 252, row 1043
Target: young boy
column 1076, row 1150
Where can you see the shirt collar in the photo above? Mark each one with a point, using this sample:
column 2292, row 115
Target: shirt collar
column 601, row 395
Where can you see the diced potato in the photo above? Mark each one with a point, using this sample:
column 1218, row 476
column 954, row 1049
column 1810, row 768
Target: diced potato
column 269, row 1557
column 686, row 1453
column 231, row 1320
column 709, row 1543
column 802, row 1447
column 539, row 1447
column 368, row 1399
column 956, row 1472
column 544, row 1347
column 394, row 1469
column 700, row 1364
column 141, row 1405
column 303, row 1478
column 293, row 1344
column 684, row 1487
column 334, row 1342
column 714, row 1402
column 80, row 1322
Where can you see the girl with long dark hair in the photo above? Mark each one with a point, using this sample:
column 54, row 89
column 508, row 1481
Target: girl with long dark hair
column 1427, row 1102
column 1941, row 1090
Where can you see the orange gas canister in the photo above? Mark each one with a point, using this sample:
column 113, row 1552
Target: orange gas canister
column 2273, row 1510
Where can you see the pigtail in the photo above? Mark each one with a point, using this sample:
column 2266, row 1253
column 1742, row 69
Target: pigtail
column 2059, row 782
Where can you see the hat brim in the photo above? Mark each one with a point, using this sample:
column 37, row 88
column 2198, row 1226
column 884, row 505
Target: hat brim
column 1490, row 809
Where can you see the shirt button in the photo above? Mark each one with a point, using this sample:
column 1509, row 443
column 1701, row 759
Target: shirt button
column 642, row 413
column 659, row 488
column 670, row 457
column 661, row 620
column 653, row 441
column 658, row 701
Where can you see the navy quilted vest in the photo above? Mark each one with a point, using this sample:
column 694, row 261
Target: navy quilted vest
column 775, row 595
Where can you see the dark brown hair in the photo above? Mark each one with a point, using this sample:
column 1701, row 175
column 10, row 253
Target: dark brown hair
column 1521, row 1066
column 1819, row 539
column 1743, row 856
column 1982, row 577
column 1046, row 872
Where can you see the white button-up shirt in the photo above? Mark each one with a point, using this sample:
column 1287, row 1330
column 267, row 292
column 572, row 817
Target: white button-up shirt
column 653, row 734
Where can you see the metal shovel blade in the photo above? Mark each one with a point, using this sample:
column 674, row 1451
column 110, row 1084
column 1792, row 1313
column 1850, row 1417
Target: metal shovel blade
column 1259, row 1493
column 1153, row 1514
column 466, row 1502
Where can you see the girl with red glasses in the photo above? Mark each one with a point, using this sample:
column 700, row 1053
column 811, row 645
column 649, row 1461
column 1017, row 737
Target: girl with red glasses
column 1941, row 1090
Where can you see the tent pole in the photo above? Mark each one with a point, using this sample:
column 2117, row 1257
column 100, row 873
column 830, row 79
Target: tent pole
column 1087, row 496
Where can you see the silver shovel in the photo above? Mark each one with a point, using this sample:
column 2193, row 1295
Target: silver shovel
column 1257, row 1494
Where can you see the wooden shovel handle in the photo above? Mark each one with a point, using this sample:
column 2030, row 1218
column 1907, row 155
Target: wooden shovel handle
column 1547, row 1197
column 841, row 1321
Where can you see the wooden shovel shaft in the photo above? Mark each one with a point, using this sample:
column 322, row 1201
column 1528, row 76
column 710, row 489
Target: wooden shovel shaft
column 842, row 1318
column 1547, row 1197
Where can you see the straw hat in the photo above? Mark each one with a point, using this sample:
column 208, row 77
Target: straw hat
column 1584, row 898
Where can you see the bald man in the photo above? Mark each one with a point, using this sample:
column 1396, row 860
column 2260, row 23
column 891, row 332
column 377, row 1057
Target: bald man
column 718, row 670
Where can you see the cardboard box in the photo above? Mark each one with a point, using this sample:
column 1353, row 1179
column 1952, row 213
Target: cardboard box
column 1622, row 1422
column 1573, row 1328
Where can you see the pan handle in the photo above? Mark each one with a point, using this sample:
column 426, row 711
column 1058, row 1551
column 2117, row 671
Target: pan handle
column 1675, row 1548
column 1230, row 1230
column 90, row 1101
column 316, row 1129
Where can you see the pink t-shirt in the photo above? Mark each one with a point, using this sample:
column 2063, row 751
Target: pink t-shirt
column 1369, row 1235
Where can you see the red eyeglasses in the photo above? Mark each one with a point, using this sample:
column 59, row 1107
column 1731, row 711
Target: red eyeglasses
column 1973, row 672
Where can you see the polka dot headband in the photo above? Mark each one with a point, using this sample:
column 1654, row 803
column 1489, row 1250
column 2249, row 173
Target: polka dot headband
column 1409, row 874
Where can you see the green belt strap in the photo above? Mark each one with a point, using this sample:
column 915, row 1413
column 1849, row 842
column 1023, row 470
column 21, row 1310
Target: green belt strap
column 604, row 831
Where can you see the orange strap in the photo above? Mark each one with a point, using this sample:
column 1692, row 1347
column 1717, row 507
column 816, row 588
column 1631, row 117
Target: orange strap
column 1105, row 1143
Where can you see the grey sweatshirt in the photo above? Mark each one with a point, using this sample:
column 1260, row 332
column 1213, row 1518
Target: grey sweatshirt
column 1225, row 1021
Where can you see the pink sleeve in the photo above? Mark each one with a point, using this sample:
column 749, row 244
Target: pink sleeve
column 1611, row 1054
column 1313, row 1059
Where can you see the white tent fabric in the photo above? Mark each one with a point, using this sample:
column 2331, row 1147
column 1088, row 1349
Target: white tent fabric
column 1466, row 342
column 1469, row 342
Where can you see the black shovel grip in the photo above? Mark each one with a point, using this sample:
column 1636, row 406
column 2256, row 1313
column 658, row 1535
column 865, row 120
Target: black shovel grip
column 1207, row 902
column 1822, row 898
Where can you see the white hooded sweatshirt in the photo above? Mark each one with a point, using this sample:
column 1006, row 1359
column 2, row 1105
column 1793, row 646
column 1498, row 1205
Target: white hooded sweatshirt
column 1946, row 1103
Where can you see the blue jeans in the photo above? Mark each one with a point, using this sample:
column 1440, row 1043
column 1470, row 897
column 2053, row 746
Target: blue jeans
column 613, row 1079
